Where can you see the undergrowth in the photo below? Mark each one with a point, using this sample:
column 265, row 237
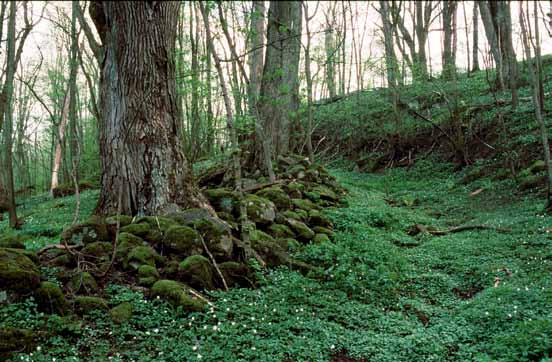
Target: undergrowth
column 383, row 295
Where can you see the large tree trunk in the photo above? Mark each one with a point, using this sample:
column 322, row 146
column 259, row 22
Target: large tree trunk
column 279, row 88
column 492, row 38
column 142, row 161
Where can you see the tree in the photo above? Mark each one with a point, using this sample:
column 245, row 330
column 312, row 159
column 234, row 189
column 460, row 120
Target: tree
column 533, row 72
column 257, row 33
column 144, row 170
column 475, row 51
column 449, row 39
column 8, row 118
column 280, row 86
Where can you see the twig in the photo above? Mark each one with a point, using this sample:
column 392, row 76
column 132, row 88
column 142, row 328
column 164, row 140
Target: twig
column 214, row 262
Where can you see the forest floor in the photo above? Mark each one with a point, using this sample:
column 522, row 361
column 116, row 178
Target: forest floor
column 383, row 295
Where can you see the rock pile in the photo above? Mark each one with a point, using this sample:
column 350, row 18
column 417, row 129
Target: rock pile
column 177, row 255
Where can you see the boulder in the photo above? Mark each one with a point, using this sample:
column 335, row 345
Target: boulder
column 141, row 255
column 140, row 230
column 147, row 275
column 318, row 218
column 177, row 295
column 50, row 299
column 183, row 240
column 280, row 231
column 222, row 199
column 268, row 249
column 217, row 237
column 18, row 273
column 304, row 204
column 92, row 230
column 15, row 340
column 15, row 241
column 301, row 229
column 277, row 196
column 85, row 305
column 236, row 274
column 122, row 312
column 320, row 239
column 83, row 283
column 260, row 210
column 197, row 271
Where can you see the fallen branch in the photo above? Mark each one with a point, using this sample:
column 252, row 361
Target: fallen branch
column 58, row 246
column 262, row 186
column 214, row 263
column 421, row 228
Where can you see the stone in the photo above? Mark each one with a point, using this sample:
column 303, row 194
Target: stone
column 92, row 230
column 295, row 189
column 14, row 241
column 126, row 243
column 260, row 210
column 217, row 237
column 236, row 274
column 98, row 249
column 301, row 229
column 141, row 255
column 183, row 240
column 122, row 312
column 280, row 231
column 222, row 199
column 268, row 249
column 277, row 196
column 50, row 299
column 85, row 305
column 147, row 275
column 189, row 216
column 197, row 271
column 141, row 230
column 318, row 218
column 84, row 283
column 320, row 239
column 18, row 273
column 15, row 340
column 111, row 223
column 323, row 230
column 304, row 204
column 325, row 193
column 177, row 295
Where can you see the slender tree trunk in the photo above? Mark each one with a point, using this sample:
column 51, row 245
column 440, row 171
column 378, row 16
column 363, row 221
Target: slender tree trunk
column 492, row 38
column 60, row 140
column 74, row 66
column 308, row 75
column 143, row 166
column 195, row 118
column 475, row 52
column 449, row 26
column 8, row 112
column 536, row 101
column 256, row 56
column 538, row 57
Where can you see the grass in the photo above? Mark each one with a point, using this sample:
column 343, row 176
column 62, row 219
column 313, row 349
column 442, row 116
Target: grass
column 384, row 295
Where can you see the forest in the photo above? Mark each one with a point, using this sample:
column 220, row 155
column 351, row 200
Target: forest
column 340, row 181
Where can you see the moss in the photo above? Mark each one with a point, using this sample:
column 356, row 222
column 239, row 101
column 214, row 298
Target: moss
column 50, row 299
column 222, row 199
column 537, row 166
column 176, row 294
column 141, row 230
column 217, row 236
column 531, row 182
column 84, row 283
column 158, row 227
column 236, row 274
column 304, row 204
column 66, row 189
column 277, row 196
column 85, row 305
column 171, row 269
column 302, row 230
column 94, row 229
column 15, row 340
column 197, row 271
column 317, row 218
column 260, row 210
column 111, row 223
column 258, row 235
column 189, row 216
column 122, row 312
column 280, row 231
column 99, row 249
column 296, row 171
column 303, row 215
column 17, row 272
column 290, row 244
column 141, row 255
column 288, row 214
column 295, row 189
column 147, row 275
column 323, row 230
column 126, row 243
column 320, row 239
column 12, row 241
column 183, row 240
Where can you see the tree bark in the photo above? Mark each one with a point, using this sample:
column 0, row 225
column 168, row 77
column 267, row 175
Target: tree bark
column 141, row 156
column 492, row 38
column 8, row 112
column 256, row 56
column 279, row 88
column 475, row 51
column 449, row 26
